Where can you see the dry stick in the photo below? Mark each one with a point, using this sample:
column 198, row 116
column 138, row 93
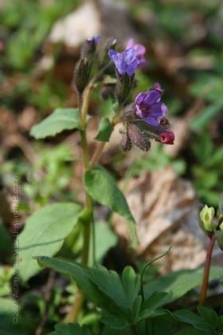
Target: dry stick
column 207, row 266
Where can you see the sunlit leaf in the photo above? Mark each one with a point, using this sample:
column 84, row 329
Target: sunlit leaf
column 44, row 234
column 102, row 187
column 61, row 119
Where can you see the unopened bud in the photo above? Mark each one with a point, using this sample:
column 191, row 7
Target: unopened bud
column 123, row 87
column 89, row 46
column 206, row 216
column 102, row 50
column 167, row 137
column 82, row 74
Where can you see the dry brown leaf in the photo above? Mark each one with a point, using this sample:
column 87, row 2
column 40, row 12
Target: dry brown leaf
column 166, row 210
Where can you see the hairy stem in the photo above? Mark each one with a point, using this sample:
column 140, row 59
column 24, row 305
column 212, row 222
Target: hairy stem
column 207, row 266
column 83, row 105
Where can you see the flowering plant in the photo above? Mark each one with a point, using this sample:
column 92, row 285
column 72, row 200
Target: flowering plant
column 127, row 304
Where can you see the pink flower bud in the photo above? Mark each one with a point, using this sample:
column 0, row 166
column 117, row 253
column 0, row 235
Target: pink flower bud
column 167, row 137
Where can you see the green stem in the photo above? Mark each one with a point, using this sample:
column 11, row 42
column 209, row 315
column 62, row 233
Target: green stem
column 84, row 106
column 79, row 298
column 207, row 266
column 76, row 307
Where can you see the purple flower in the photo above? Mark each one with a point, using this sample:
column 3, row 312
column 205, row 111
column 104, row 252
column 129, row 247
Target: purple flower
column 140, row 52
column 149, row 106
column 125, row 62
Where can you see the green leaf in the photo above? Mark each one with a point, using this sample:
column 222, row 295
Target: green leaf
column 185, row 315
column 44, row 234
column 70, row 329
column 81, row 274
column 209, row 315
column 102, row 187
column 191, row 318
column 178, row 283
column 61, row 119
column 110, row 284
column 157, row 326
column 131, row 285
column 152, row 303
column 102, row 287
column 104, row 130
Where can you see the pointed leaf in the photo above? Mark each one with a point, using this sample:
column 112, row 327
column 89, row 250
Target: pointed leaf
column 44, row 234
column 209, row 315
column 102, row 187
column 131, row 285
column 178, row 283
column 81, row 274
column 61, row 119
column 110, row 284
column 185, row 315
column 154, row 302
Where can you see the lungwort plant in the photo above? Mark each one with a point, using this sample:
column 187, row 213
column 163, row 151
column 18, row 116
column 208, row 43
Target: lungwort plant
column 126, row 303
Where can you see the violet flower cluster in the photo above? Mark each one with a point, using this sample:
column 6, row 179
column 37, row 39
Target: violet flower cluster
column 145, row 118
column 147, row 108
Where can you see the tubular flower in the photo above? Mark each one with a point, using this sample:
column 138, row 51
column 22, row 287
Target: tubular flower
column 149, row 106
column 140, row 52
column 125, row 62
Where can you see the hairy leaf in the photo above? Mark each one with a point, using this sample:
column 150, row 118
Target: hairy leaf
column 44, row 234
column 178, row 283
column 102, row 187
column 61, row 119
column 81, row 274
